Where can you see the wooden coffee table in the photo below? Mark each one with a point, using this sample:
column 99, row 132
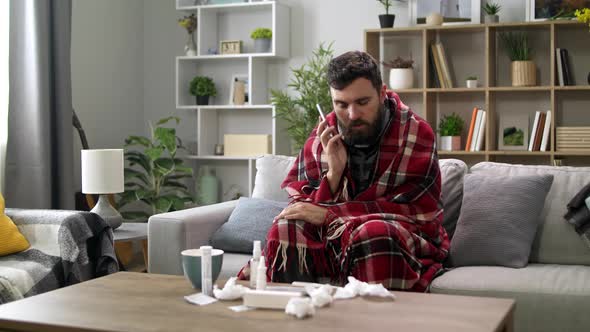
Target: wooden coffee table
column 128, row 301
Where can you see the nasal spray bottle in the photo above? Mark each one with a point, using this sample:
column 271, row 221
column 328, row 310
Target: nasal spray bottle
column 261, row 275
column 206, row 278
column 256, row 252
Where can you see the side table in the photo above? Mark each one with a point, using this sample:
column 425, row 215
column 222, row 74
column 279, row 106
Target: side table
column 124, row 237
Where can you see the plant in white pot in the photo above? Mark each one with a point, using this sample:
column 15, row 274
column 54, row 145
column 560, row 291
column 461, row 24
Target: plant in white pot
column 523, row 69
column 450, row 128
column 401, row 74
column 491, row 9
column 262, row 39
column 471, row 82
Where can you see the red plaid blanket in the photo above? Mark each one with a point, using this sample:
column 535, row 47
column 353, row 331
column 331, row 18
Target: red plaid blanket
column 391, row 233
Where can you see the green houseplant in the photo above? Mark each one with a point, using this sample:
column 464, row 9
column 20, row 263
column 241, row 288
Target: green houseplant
column 202, row 87
column 471, row 82
column 450, row 128
column 386, row 20
column 523, row 70
column 154, row 173
column 311, row 84
column 491, row 11
column 262, row 39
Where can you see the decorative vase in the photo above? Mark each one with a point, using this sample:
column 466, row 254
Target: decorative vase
column 491, row 19
column 450, row 143
column 190, row 48
column 471, row 84
column 434, row 19
column 401, row 78
column 262, row 45
column 208, row 187
column 524, row 73
column 202, row 100
column 386, row 20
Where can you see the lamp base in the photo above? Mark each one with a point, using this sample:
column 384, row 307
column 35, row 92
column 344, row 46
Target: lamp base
column 107, row 212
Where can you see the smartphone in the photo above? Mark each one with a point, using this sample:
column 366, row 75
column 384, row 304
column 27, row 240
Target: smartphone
column 321, row 112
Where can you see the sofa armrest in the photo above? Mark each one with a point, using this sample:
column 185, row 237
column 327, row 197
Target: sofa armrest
column 172, row 232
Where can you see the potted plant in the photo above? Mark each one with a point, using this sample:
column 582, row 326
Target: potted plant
column 386, row 20
column 450, row 128
column 262, row 39
column 401, row 74
column 190, row 24
column 491, row 9
column 202, row 87
column 154, row 176
column 311, row 84
column 471, row 82
column 523, row 70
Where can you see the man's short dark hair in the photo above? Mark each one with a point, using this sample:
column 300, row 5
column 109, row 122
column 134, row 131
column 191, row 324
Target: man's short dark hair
column 347, row 67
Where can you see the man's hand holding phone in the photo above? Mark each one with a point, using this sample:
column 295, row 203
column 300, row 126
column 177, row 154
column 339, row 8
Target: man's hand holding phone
column 333, row 145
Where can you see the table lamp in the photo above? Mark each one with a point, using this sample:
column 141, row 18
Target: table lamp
column 102, row 173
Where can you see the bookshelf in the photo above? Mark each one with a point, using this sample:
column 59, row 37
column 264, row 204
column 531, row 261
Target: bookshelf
column 475, row 49
column 233, row 21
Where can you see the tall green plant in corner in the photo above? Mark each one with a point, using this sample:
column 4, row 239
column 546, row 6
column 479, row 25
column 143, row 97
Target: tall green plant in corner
column 154, row 174
column 310, row 81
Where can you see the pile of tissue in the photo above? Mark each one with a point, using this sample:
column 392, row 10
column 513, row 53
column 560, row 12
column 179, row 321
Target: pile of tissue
column 318, row 296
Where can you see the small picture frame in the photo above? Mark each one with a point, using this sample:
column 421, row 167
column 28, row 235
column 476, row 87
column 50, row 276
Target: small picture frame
column 233, row 87
column 513, row 131
column 542, row 10
column 230, row 47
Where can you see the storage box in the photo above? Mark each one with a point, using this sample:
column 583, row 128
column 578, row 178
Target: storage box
column 247, row 145
column 572, row 139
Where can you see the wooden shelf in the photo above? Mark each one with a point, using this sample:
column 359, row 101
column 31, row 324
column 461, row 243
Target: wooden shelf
column 461, row 153
column 456, row 90
column 520, row 88
column 476, row 50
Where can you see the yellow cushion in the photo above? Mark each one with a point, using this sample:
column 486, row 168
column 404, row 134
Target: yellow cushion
column 11, row 240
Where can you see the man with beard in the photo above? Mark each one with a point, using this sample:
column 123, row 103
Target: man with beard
column 365, row 191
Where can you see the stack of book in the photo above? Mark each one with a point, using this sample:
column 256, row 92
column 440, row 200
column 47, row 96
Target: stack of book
column 562, row 63
column 477, row 128
column 441, row 77
column 539, row 139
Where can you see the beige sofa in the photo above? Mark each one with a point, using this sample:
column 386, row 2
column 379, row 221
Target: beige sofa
column 552, row 292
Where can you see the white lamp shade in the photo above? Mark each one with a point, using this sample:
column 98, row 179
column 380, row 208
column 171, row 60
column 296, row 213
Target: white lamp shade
column 102, row 171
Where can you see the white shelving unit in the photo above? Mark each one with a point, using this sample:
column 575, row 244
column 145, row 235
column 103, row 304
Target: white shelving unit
column 233, row 21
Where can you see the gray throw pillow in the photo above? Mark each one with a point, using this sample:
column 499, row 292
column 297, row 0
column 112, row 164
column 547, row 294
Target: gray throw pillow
column 452, row 173
column 499, row 219
column 249, row 221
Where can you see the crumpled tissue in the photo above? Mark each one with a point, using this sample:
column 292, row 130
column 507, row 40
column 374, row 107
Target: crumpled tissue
column 356, row 287
column 230, row 290
column 300, row 307
column 320, row 296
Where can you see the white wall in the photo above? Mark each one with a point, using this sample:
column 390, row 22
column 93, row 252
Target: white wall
column 107, row 72
column 123, row 56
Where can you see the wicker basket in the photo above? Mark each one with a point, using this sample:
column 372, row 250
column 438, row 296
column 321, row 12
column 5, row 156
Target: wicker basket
column 524, row 73
column 572, row 139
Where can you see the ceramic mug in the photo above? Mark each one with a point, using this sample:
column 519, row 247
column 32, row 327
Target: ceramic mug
column 191, row 265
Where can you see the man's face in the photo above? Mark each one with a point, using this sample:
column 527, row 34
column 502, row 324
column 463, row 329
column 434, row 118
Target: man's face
column 358, row 108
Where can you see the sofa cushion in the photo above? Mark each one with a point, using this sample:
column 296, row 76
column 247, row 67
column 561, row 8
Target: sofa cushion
column 11, row 240
column 232, row 264
column 249, row 221
column 499, row 218
column 556, row 240
column 271, row 170
column 548, row 297
column 452, row 173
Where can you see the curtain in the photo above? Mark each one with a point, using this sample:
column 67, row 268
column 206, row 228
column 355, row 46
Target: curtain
column 4, row 19
column 39, row 157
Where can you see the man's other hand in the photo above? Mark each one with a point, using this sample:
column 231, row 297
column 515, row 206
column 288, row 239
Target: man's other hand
column 307, row 212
